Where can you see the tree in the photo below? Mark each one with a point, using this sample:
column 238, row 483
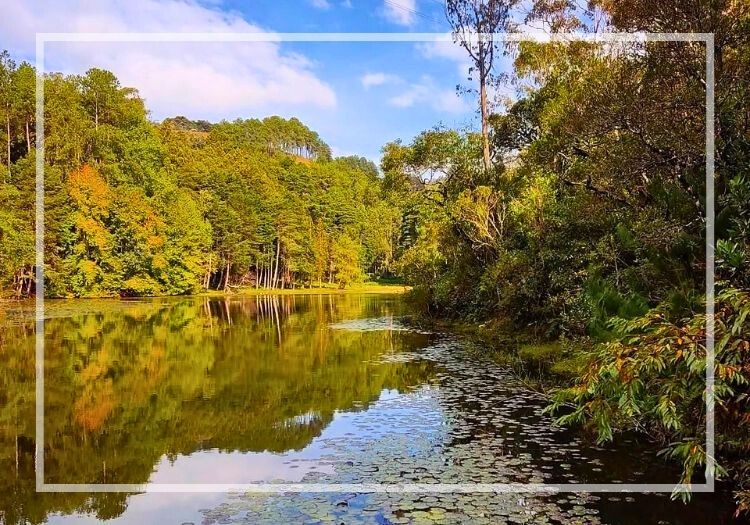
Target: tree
column 25, row 99
column 90, row 245
column 345, row 260
column 100, row 90
column 16, row 248
column 474, row 23
column 7, row 96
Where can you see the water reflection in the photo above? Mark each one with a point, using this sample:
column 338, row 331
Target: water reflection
column 291, row 388
column 135, row 390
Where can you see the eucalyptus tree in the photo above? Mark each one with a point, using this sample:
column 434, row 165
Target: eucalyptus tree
column 474, row 24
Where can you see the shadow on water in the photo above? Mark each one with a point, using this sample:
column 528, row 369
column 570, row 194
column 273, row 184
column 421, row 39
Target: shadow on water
column 297, row 389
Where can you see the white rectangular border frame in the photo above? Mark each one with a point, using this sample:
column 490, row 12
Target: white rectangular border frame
column 41, row 38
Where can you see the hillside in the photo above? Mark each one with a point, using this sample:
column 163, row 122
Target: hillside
column 137, row 208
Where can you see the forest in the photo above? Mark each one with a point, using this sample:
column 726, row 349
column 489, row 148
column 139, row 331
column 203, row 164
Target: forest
column 577, row 216
column 136, row 208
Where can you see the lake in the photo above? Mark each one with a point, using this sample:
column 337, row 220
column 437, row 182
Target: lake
column 293, row 389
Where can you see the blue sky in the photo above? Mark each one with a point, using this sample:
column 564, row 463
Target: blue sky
column 356, row 95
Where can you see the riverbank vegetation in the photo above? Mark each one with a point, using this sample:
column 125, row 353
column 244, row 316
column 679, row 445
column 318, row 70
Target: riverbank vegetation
column 589, row 227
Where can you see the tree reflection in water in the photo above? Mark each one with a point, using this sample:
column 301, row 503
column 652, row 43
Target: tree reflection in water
column 128, row 383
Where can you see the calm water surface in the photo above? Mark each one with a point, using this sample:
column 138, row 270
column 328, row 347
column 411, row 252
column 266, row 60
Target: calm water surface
column 319, row 389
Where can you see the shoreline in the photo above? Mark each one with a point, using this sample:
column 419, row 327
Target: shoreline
column 364, row 289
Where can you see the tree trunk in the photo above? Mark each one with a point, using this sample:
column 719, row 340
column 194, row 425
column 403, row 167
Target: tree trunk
column 29, row 282
column 226, row 276
column 276, row 269
column 485, row 125
column 207, row 278
column 7, row 128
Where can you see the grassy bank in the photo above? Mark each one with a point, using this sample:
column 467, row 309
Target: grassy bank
column 541, row 364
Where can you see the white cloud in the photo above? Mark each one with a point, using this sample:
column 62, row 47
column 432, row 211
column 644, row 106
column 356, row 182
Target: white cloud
column 447, row 50
column 320, row 4
column 443, row 49
column 201, row 80
column 378, row 79
column 448, row 101
column 415, row 93
column 401, row 12
column 454, row 52
column 426, row 92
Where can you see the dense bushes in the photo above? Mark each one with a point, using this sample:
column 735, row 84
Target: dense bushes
column 591, row 223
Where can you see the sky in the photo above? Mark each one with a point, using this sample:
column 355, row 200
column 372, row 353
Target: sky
column 357, row 96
